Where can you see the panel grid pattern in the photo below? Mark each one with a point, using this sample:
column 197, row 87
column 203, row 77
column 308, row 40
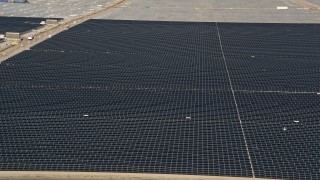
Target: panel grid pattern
column 272, row 57
column 187, row 39
column 132, row 96
column 139, row 96
column 138, row 71
column 275, row 72
column 121, row 130
column 283, row 133
column 19, row 24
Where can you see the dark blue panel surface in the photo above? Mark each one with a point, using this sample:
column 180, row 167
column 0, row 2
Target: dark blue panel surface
column 270, row 39
column 282, row 131
column 276, row 80
column 105, row 70
column 20, row 24
column 140, row 96
column 138, row 37
column 294, row 63
column 189, row 132
column 129, row 97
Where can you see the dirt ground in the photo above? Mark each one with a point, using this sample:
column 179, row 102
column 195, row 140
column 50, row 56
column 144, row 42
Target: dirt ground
column 37, row 175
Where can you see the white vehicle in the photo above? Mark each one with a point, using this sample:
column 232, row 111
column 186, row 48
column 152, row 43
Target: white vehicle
column 30, row 38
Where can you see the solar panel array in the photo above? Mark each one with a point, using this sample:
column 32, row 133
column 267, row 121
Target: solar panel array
column 275, row 72
column 19, row 24
column 282, row 131
column 272, row 57
column 165, row 97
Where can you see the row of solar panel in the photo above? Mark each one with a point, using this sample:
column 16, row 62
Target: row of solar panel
column 17, row 27
column 269, row 30
column 116, row 70
column 164, row 38
column 270, row 39
column 124, row 60
column 265, row 48
column 20, row 24
column 163, row 71
column 136, row 38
